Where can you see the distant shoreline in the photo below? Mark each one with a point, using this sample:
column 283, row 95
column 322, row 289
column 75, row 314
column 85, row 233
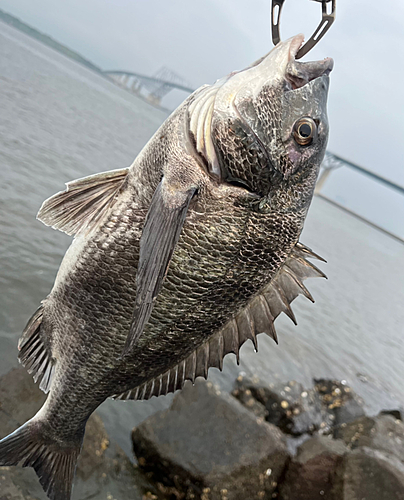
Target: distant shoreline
column 47, row 40
column 62, row 49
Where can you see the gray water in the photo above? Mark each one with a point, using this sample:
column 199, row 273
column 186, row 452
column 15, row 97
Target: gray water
column 59, row 121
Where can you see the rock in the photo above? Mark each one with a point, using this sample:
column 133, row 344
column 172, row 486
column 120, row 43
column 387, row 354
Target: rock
column 310, row 475
column 20, row 399
column 367, row 474
column 339, row 400
column 244, row 395
column 8, row 490
column 383, row 432
column 103, row 468
column 20, row 484
column 397, row 414
column 309, row 416
column 289, row 407
column 293, row 443
column 350, row 410
column 208, row 446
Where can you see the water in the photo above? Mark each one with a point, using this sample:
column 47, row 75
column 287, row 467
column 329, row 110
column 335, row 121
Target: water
column 59, row 121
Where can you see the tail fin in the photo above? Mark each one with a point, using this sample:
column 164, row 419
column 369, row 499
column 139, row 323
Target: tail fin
column 54, row 463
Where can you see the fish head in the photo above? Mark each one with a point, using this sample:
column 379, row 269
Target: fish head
column 267, row 124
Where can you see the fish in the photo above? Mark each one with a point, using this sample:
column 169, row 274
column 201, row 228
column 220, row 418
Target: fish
column 179, row 259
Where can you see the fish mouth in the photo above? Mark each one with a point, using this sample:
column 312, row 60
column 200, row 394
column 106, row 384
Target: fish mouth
column 298, row 74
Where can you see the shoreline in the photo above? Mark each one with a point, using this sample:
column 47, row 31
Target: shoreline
column 15, row 22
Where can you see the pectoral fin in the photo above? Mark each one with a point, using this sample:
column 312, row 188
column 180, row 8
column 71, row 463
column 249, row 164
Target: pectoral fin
column 161, row 232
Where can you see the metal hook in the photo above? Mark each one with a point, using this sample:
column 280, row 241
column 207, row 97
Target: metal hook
column 322, row 28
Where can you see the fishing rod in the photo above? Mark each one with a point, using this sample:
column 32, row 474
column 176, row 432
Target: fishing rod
column 325, row 24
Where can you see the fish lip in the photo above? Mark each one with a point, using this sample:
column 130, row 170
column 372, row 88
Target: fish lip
column 294, row 82
column 295, row 43
column 298, row 74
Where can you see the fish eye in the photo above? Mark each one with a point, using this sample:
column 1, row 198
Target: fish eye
column 304, row 131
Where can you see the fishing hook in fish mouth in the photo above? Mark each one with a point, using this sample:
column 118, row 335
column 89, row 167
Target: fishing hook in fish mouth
column 325, row 24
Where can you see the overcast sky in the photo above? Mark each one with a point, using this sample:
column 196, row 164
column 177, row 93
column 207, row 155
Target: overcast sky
column 203, row 40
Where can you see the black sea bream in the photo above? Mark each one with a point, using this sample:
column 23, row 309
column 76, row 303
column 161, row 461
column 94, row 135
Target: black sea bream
column 178, row 259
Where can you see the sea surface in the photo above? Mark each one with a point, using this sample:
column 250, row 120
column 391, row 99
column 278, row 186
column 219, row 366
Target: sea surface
column 59, row 121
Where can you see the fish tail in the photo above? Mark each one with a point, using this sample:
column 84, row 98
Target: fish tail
column 53, row 461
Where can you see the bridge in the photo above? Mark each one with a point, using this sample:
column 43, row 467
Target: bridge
column 334, row 162
column 152, row 88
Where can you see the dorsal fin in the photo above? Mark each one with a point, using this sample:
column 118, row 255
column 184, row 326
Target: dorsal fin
column 83, row 203
column 256, row 317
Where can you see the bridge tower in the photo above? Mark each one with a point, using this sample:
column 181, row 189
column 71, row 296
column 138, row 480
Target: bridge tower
column 156, row 86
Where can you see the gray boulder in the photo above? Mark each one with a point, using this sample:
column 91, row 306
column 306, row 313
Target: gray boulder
column 383, row 432
column 208, row 446
column 20, row 399
column 311, row 474
column 367, row 474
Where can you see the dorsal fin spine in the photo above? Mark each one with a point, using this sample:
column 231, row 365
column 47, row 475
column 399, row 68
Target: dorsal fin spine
column 252, row 328
column 221, row 352
column 310, row 264
column 292, row 276
column 172, row 380
column 287, row 310
column 265, row 305
column 143, row 392
column 206, row 360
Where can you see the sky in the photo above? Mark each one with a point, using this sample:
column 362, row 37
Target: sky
column 203, row 40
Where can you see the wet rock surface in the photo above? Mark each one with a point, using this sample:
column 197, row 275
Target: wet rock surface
column 209, row 446
column 367, row 474
column 20, row 399
column 288, row 406
column 383, row 432
column 311, row 475
column 339, row 401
